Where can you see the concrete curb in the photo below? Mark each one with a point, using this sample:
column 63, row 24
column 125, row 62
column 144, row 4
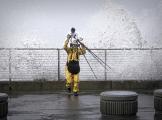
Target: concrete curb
column 29, row 86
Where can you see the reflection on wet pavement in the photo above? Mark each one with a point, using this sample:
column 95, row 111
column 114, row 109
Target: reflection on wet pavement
column 61, row 106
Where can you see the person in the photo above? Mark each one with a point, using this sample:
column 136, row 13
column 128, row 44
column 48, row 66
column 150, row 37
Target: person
column 72, row 67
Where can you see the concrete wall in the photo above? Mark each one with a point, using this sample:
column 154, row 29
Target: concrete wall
column 54, row 86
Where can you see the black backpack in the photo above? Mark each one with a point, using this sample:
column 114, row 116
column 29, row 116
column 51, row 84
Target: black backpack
column 73, row 66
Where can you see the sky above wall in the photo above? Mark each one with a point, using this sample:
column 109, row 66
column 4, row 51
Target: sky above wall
column 45, row 23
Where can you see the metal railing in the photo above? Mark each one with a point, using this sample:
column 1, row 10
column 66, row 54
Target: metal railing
column 18, row 64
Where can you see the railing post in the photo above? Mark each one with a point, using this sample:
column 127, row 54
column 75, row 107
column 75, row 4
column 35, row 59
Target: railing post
column 10, row 74
column 58, row 70
column 105, row 65
column 151, row 57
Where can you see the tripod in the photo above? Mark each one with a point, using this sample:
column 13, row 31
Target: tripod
column 95, row 56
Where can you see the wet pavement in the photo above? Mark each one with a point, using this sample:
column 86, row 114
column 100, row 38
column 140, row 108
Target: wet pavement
column 61, row 106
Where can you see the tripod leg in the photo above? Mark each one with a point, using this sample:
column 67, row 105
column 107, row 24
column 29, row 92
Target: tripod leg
column 90, row 66
column 103, row 64
column 95, row 56
column 99, row 59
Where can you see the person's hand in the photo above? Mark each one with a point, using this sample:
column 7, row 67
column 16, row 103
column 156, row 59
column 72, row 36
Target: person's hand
column 68, row 36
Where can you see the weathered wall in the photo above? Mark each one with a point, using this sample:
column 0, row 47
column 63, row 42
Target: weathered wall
column 85, row 86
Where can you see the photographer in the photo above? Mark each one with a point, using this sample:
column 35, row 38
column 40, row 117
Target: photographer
column 72, row 67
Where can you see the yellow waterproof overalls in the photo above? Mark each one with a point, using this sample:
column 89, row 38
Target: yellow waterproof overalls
column 72, row 80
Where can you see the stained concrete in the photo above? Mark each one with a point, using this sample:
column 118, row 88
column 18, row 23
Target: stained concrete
column 61, row 106
column 30, row 86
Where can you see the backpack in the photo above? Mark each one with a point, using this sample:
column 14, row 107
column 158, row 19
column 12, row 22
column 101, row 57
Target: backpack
column 73, row 66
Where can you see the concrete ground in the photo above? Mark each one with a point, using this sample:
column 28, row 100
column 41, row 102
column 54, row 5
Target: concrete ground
column 61, row 106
